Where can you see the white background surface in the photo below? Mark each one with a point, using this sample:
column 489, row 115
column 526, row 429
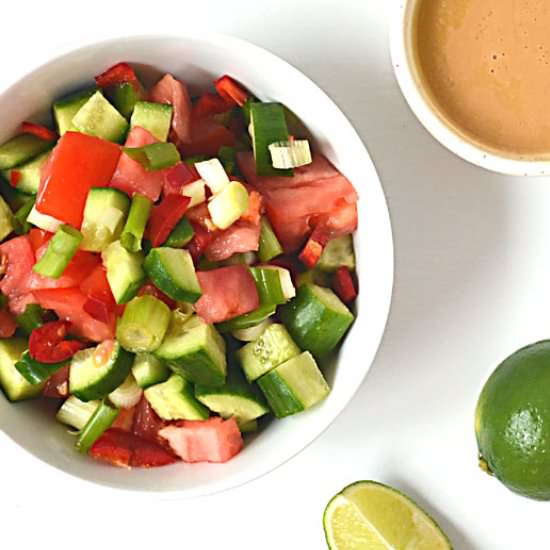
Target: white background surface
column 472, row 285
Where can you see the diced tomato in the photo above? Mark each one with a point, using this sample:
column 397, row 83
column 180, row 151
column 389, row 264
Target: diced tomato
column 179, row 176
column 230, row 90
column 97, row 285
column 212, row 440
column 254, row 212
column 172, row 91
column 200, row 241
column 117, row 74
column 97, row 309
column 130, row 176
column 47, row 343
column 207, row 136
column 226, row 293
column 16, row 261
column 68, row 303
column 147, row 423
column 77, row 163
column 315, row 245
column 344, row 285
column 38, row 130
column 125, row 419
column 236, row 239
column 151, row 290
column 210, row 104
column 7, row 324
column 57, row 385
column 199, row 215
column 38, row 238
column 15, row 178
column 120, row 448
column 164, row 218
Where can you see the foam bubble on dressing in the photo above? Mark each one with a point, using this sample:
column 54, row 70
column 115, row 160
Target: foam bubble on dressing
column 486, row 65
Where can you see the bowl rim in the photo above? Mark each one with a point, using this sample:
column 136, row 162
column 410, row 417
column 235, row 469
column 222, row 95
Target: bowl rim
column 417, row 99
column 220, row 40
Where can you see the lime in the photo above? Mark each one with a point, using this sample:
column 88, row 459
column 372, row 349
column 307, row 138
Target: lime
column 367, row 515
column 513, row 422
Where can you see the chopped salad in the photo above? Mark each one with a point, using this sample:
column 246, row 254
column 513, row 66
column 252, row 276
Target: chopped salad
column 172, row 268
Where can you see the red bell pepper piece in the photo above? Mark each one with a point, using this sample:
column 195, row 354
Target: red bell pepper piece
column 200, row 241
column 38, row 238
column 150, row 289
column 117, row 74
column 57, row 385
column 210, row 104
column 179, row 175
column 230, row 90
column 344, row 285
column 8, row 325
column 164, row 218
column 78, row 163
column 254, row 212
column 100, row 302
column 15, row 178
column 314, row 247
column 47, row 344
column 39, row 131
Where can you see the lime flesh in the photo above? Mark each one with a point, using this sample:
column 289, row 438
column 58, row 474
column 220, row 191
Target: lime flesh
column 371, row 516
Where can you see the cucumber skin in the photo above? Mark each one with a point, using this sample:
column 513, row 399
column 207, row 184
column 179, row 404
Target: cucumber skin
column 312, row 325
column 163, row 280
column 151, row 374
column 279, row 396
column 196, row 366
column 104, row 387
column 20, row 149
column 248, row 320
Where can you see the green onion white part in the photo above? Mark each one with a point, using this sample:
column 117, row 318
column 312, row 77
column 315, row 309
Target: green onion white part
column 76, row 413
column 214, row 174
column 43, row 221
column 228, row 205
column 290, row 154
column 127, row 395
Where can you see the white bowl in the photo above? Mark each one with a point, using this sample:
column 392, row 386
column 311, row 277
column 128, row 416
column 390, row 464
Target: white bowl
column 198, row 60
column 417, row 98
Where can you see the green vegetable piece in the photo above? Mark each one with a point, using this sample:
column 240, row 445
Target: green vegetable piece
column 338, row 252
column 228, row 158
column 61, row 249
column 156, row 118
column 99, row 422
column 31, row 318
column 66, row 108
column 133, row 231
column 20, row 224
column 20, row 149
column 155, row 156
column 125, row 96
column 6, row 220
column 227, row 206
column 28, row 174
column 76, row 413
column 36, row 372
column 149, row 370
column 274, row 284
column 247, row 320
column 270, row 247
column 143, row 324
column 181, row 235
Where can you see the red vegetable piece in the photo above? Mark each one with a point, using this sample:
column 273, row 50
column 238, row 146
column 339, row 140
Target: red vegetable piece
column 178, row 176
column 117, row 74
column 230, row 90
column 15, row 178
column 7, row 324
column 97, row 286
column 210, row 104
column 47, row 344
column 164, row 218
column 38, row 238
column 254, row 212
column 57, row 385
column 147, row 422
column 39, row 131
column 314, row 247
column 201, row 240
column 125, row 419
column 344, row 285
column 97, row 309
column 78, row 163
column 151, row 290
column 207, row 136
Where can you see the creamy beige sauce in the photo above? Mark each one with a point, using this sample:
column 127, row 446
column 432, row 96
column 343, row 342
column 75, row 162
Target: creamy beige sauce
column 486, row 66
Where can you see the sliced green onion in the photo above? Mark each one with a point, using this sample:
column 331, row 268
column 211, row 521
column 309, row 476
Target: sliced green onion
column 274, row 284
column 214, row 174
column 43, row 221
column 228, row 205
column 76, row 413
column 252, row 333
column 270, row 247
column 196, row 190
column 148, row 370
column 20, row 223
column 155, row 156
column 245, row 258
column 127, row 395
column 100, row 421
column 290, row 154
column 143, row 324
column 248, row 319
column 61, row 249
column 35, row 372
column 133, row 231
column 31, row 318
column 181, row 234
column 228, row 158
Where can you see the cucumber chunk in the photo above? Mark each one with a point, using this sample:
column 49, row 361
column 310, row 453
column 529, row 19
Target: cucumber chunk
column 104, row 215
column 20, row 149
column 66, row 108
column 173, row 272
column 273, row 347
column 34, row 371
column 124, row 271
column 174, row 400
column 156, row 118
column 12, row 383
column 294, row 386
column 97, row 117
column 29, row 174
column 96, row 372
column 317, row 319
column 195, row 350
column 149, row 370
column 181, row 235
column 337, row 253
column 6, row 219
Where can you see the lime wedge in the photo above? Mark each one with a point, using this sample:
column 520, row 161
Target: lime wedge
column 367, row 515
